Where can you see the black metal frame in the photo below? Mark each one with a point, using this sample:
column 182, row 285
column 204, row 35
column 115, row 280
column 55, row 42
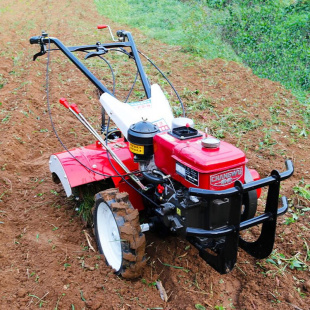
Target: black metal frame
column 69, row 50
column 226, row 256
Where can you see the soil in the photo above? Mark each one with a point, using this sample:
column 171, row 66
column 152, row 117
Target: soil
column 45, row 258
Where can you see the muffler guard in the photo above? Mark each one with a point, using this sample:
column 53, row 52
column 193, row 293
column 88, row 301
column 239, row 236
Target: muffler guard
column 225, row 256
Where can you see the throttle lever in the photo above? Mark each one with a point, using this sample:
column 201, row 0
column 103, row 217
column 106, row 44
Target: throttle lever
column 39, row 40
column 42, row 52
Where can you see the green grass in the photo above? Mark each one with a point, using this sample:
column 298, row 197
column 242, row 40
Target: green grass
column 282, row 262
column 271, row 37
column 302, row 190
column 173, row 22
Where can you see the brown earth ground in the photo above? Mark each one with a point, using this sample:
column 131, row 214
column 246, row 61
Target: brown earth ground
column 44, row 256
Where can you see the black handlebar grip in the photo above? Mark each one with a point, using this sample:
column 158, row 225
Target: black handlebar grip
column 35, row 40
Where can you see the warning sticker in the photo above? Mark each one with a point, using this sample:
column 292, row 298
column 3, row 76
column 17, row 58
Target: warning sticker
column 136, row 149
column 187, row 173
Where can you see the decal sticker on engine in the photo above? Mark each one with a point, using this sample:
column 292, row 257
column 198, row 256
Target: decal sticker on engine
column 226, row 178
column 161, row 124
column 187, row 173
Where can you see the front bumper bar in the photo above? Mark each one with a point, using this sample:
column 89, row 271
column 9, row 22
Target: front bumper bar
column 225, row 257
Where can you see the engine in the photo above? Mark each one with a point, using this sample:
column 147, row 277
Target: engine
column 198, row 161
column 184, row 158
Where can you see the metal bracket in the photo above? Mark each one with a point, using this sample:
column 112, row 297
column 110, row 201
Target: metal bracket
column 263, row 246
column 224, row 241
column 225, row 258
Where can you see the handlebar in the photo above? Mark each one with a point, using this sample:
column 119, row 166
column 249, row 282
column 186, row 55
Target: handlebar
column 44, row 39
column 35, row 40
column 38, row 39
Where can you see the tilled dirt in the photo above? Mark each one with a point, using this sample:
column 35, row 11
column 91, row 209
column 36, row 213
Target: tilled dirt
column 44, row 255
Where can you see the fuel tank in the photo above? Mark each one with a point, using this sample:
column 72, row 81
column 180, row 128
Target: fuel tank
column 192, row 164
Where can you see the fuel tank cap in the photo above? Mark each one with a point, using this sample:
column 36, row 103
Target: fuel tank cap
column 210, row 143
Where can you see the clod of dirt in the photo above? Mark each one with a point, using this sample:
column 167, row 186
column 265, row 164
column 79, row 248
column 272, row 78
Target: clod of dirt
column 307, row 286
column 21, row 292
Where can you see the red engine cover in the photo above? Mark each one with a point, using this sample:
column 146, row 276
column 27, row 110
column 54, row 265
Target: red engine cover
column 188, row 162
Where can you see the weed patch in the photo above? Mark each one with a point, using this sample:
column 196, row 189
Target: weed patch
column 282, row 262
column 193, row 27
column 271, row 37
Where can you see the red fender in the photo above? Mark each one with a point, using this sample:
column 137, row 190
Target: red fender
column 72, row 174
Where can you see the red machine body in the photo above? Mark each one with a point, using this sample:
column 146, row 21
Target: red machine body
column 95, row 157
column 193, row 165
column 187, row 161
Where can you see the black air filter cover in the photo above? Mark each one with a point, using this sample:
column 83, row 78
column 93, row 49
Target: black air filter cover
column 140, row 136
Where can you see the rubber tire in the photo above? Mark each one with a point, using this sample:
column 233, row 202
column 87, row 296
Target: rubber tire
column 249, row 199
column 132, row 240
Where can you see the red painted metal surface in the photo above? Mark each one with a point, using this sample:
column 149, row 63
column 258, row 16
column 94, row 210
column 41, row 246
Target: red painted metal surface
column 256, row 177
column 95, row 157
column 64, row 102
column 75, row 108
column 188, row 162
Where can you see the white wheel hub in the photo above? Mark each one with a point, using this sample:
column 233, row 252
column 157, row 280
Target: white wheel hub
column 109, row 236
